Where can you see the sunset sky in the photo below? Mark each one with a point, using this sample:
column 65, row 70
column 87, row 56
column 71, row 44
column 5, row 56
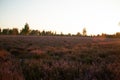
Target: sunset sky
column 67, row 16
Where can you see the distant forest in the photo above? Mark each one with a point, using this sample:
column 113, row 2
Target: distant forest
column 27, row 31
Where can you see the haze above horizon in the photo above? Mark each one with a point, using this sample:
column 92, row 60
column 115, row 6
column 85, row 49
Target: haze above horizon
column 67, row 16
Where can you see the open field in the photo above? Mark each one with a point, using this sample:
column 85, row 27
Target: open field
column 59, row 58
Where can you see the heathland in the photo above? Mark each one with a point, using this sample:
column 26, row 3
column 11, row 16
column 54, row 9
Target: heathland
column 59, row 58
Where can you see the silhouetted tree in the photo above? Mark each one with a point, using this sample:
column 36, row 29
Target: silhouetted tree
column 25, row 30
column 10, row 32
column 69, row 34
column 43, row 33
column 49, row 33
column 15, row 31
column 0, row 31
column 35, row 32
column 78, row 34
column 5, row 31
column 84, row 32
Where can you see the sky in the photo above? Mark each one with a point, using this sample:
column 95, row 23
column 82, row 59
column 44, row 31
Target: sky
column 67, row 16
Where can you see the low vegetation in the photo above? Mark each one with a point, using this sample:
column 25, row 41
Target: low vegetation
column 59, row 58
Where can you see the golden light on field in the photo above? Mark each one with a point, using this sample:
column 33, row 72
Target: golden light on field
column 67, row 16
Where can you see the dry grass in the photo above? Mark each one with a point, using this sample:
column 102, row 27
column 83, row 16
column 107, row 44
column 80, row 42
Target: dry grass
column 60, row 58
column 9, row 67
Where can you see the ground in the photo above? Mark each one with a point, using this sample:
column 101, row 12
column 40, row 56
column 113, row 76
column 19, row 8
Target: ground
column 59, row 58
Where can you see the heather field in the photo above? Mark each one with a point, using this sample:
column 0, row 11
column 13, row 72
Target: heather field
column 59, row 58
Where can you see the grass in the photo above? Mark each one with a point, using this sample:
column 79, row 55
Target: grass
column 64, row 58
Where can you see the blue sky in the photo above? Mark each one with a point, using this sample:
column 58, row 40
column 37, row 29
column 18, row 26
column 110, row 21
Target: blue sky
column 67, row 16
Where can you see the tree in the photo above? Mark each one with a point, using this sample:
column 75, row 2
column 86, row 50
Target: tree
column 78, row 34
column 84, row 32
column 69, row 34
column 43, row 33
column 0, row 30
column 35, row 32
column 15, row 31
column 10, row 32
column 49, row 33
column 5, row 31
column 25, row 30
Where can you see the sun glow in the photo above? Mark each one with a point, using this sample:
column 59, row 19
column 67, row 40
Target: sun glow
column 101, row 16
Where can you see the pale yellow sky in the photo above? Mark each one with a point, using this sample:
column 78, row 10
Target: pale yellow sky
column 67, row 16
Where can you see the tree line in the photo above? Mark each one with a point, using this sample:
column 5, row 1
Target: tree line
column 27, row 31
column 24, row 31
